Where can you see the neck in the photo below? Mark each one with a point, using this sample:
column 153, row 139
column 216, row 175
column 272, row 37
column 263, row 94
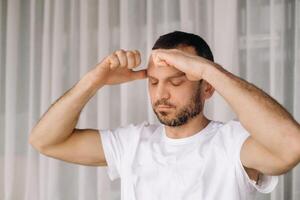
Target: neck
column 192, row 127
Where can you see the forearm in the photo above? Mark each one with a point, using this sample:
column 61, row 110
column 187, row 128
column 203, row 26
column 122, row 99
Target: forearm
column 265, row 119
column 58, row 123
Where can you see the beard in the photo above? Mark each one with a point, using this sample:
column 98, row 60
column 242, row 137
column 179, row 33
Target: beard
column 184, row 114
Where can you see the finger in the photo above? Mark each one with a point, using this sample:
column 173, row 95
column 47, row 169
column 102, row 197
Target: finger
column 130, row 59
column 137, row 56
column 163, row 63
column 191, row 77
column 159, row 62
column 174, row 58
column 122, row 57
column 156, row 55
column 114, row 61
column 141, row 74
column 164, row 57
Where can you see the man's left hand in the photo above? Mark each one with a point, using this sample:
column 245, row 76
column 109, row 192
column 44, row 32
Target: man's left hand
column 192, row 65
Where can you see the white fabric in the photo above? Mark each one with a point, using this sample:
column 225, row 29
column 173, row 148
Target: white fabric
column 47, row 45
column 203, row 166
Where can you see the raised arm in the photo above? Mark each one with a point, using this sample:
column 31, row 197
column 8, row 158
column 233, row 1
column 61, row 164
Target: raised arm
column 55, row 134
column 274, row 143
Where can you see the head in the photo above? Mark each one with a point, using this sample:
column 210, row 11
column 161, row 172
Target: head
column 175, row 99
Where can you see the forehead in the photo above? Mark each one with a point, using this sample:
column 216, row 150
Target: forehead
column 165, row 71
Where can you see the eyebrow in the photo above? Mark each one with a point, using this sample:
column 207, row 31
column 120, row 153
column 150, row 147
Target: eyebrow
column 177, row 75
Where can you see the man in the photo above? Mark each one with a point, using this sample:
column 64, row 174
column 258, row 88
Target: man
column 187, row 156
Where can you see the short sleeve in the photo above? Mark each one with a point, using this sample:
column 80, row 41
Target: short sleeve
column 266, row 183
column 116, row 143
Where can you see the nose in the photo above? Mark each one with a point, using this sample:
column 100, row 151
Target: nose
column 162, row 92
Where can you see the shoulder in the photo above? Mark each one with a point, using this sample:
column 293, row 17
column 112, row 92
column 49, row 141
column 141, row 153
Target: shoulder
column 231, row 135
column 233, row 128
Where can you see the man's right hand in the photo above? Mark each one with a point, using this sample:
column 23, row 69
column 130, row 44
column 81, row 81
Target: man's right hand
column 55, row 134
column 117, row 68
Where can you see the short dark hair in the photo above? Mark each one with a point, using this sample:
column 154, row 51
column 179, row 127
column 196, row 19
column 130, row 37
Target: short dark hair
column 177, row 38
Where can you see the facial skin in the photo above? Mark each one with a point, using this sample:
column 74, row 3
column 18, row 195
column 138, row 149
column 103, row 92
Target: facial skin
column 183, row 113
column 175, row 99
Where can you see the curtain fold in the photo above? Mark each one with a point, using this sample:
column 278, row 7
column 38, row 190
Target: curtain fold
column 48, row 45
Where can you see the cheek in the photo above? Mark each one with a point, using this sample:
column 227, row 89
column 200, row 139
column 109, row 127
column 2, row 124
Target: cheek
column 181, row 100
column 182, row 96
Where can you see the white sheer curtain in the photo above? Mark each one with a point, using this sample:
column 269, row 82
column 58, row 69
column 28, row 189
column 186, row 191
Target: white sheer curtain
column 47, row 45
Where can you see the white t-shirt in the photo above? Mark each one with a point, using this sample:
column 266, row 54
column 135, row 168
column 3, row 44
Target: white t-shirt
column 205, row 166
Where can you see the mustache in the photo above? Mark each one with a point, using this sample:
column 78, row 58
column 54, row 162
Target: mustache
column 163, row 102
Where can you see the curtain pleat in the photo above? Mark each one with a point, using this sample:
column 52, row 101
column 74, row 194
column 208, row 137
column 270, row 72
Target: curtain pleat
column 10, row 155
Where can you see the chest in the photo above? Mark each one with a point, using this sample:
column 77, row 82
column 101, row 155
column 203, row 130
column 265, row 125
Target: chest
column 178, row 172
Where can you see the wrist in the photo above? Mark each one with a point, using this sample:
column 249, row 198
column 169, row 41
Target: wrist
column 89, row 83
column 209, row 70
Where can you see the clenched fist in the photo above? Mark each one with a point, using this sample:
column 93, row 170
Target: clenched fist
column 117, row 68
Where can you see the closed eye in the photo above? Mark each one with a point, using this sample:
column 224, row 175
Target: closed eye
column 153, row 82
column 176, row 83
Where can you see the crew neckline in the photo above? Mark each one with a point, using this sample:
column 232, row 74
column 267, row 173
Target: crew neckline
column 200, row 134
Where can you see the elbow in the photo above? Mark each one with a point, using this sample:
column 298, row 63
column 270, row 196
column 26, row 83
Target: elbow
column 297, row 156
column 288, row 152
column 292, row 156
column 286, row 164
column 36, row 139
column 297, row 148
column 35, row 143
column 32, row 141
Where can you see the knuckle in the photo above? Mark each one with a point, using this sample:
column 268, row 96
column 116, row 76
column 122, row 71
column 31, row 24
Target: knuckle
column 130, row 54
column 120, row 51
column 115, row 60
column 136, row 52
column 137, row 55
column 112, row 58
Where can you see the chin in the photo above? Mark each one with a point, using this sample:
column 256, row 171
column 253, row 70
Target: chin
column 166, row 115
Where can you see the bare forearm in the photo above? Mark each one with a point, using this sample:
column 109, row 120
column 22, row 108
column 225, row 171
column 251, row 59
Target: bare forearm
column 58, row 123
column 265, row 119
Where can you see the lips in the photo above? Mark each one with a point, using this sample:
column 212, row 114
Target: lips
column 164, row 107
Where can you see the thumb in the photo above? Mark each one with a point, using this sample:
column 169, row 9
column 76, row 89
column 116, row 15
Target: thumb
column 141, row 74
column 163, row 57
column 192, row 78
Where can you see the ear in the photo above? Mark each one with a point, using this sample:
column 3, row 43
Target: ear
column 207, row 90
